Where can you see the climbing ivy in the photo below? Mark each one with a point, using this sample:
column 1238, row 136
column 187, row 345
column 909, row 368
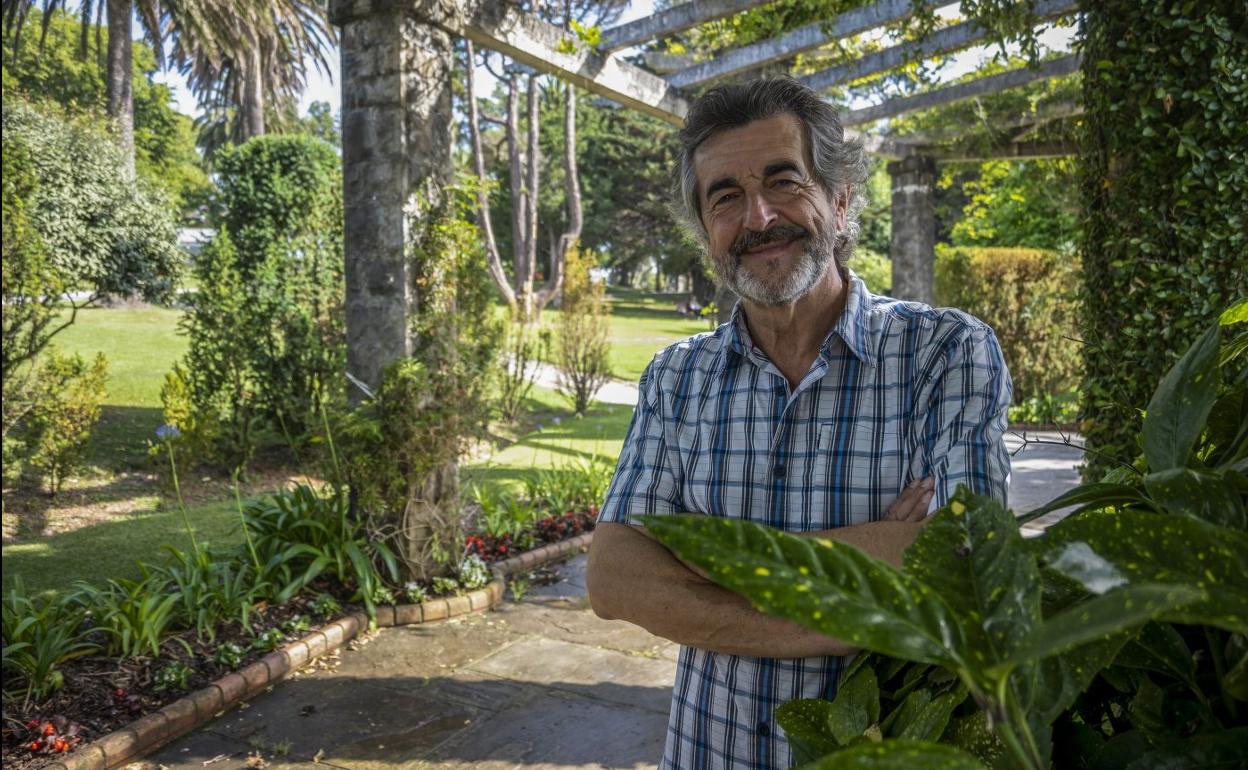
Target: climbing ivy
column 1164, row 179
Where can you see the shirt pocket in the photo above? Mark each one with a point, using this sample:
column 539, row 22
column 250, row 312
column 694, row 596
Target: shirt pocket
column 858, row 471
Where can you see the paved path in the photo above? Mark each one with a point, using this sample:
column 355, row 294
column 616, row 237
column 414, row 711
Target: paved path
column 541, row 685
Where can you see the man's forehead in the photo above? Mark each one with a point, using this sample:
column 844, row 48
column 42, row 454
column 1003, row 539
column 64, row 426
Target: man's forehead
column 751, row 148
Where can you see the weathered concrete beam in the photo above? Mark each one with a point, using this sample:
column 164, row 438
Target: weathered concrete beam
column 1008, row 151
column 979, row 87
column 531, row 41
column 941, row 41
column 675, row 19
column 1044, row 114
column 801, row 39
column 913, row 244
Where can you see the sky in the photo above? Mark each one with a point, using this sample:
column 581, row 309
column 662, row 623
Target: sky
column 325, row 86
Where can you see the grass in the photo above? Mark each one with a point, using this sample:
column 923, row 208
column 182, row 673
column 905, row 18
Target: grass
column 141, row 345
column 113, row 548
column 642, row 324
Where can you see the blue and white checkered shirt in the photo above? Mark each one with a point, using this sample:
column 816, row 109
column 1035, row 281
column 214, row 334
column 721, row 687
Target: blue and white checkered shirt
column 899, row 391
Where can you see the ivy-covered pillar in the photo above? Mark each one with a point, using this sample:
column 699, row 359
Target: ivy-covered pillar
column 396, row 155
column 397, row 135
column 1164, row 180
column 913, row 245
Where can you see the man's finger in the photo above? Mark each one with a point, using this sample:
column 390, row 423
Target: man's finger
column 912, row 503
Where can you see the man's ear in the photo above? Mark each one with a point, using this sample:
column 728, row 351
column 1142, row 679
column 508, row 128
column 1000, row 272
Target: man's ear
column 841, row 208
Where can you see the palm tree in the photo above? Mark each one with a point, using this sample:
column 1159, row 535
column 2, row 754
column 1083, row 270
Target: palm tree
column 247, row 62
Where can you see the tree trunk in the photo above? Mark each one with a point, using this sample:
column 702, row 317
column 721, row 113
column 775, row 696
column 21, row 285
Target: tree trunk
column 572, row 236
column 494, row 261
column 252, row 106
column 533, row 160
column 120, row 76
column 523, row 272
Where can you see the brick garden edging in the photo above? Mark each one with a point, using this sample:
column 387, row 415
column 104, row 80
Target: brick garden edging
column 180, row 717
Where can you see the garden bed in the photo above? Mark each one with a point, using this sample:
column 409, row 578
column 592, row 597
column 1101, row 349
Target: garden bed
column 103, row 695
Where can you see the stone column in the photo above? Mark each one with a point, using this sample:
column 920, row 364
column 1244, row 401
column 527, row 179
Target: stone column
column 913, row 247
column 396, row 156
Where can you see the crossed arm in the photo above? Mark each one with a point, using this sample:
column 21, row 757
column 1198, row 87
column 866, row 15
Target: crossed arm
column 632, row 577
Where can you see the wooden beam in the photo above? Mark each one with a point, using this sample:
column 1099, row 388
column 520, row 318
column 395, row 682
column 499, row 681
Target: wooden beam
column 1010, row 151
column 675, row 19
column 533, row 42
column 941, row 41
column 801, row 39
column 1044, row 114
column 979, row 87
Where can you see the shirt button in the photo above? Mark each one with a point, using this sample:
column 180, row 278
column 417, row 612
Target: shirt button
column 779, row 470
column 764, row 729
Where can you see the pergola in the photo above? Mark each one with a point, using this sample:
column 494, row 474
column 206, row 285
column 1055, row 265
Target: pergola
column 397, row 128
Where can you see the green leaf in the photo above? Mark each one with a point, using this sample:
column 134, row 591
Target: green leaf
column 1088, row 497
column 808, row 725
column 1101, row 617
column 1160, row 648
column 830, row 587
column 897, row 755
column 1103, row 550
column 1177, row 412
column 1235, row 314
column 856, row 706
column 1236, row 680
column 1204, row 495
column 971, row 554
column 930, row 721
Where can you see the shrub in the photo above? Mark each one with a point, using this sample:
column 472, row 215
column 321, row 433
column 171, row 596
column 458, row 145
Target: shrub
column 582, row 348
column 65, row 406
column 401, row 447
column 875, row 269
column 104, row 231
column 39, row 636
column 136, row 616
column 267, row 337
column 521, row 356
column 1163, row 180
column 1027, row 297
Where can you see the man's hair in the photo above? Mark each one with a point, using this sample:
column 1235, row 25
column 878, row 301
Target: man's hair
column 838, row 164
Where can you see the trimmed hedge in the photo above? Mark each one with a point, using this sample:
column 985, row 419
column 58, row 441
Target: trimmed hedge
column 1164, row 181
column 1028, row 297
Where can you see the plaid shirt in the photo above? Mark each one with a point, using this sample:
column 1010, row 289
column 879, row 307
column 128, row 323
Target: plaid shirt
column 899, row 391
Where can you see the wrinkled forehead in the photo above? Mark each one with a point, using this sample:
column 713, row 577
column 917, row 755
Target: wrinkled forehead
column 743, row 152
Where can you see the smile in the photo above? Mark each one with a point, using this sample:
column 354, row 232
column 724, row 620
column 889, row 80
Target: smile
column 770, row 250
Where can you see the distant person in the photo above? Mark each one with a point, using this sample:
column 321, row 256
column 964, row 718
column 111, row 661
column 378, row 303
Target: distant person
column 819, row 408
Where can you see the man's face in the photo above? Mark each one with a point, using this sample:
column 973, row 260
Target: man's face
column 770, row 224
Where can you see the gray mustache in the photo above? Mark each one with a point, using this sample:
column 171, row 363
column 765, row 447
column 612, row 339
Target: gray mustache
column 753, row 238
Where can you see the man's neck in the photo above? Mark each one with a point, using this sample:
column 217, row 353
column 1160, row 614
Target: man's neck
column 791, row 334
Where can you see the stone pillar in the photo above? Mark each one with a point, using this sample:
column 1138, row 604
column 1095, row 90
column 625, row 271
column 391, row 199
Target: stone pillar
column 913, row 247
column 396, row 156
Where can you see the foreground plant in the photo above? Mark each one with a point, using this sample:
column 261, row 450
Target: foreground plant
column 1117, row 637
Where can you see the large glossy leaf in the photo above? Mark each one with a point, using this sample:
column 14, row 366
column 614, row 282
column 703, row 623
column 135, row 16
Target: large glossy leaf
column 897, row 755
column 808, row 725
column 1159, row 648
column 830, row 587
column 1089, row 497
column 856, row 706
column 1204, row 495
column 1101, row 551
column 1060, row 679
column 931, row 719
column 1101, row 617
column 972, row 555
column 1177, row 412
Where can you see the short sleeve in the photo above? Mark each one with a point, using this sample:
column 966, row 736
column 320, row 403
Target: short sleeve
column 967, row 415
column 645, row 480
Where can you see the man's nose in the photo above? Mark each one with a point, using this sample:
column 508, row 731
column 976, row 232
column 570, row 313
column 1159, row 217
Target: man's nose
column 759, row 214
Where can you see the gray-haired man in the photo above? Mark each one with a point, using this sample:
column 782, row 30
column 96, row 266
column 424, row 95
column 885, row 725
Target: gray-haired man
column 819, row 408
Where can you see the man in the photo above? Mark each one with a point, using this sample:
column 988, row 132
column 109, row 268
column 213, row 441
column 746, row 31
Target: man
column 819, row 408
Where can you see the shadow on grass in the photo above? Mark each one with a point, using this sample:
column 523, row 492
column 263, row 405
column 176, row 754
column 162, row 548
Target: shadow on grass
column 119, row 440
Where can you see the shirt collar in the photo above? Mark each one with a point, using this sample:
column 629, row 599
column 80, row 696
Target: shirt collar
column 851, row 327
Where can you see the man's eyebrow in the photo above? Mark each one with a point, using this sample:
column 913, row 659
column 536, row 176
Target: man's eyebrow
column 776, row 168
column 720, row 184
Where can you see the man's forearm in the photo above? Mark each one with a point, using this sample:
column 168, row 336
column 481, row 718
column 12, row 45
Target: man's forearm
column 634, row 578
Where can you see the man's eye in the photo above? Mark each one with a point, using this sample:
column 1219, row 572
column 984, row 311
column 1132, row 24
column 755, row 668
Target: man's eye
column 787, row 184
column 725, row 198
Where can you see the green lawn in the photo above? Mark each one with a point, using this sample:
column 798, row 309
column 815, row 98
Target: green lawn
column 142, row 344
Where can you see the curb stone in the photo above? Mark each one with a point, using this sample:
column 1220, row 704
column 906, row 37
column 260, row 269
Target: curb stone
column 184, row 715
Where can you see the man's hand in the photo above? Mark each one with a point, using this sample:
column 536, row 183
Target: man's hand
column 911, row 505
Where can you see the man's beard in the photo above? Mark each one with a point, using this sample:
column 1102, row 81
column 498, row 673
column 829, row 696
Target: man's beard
column 774, row 286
